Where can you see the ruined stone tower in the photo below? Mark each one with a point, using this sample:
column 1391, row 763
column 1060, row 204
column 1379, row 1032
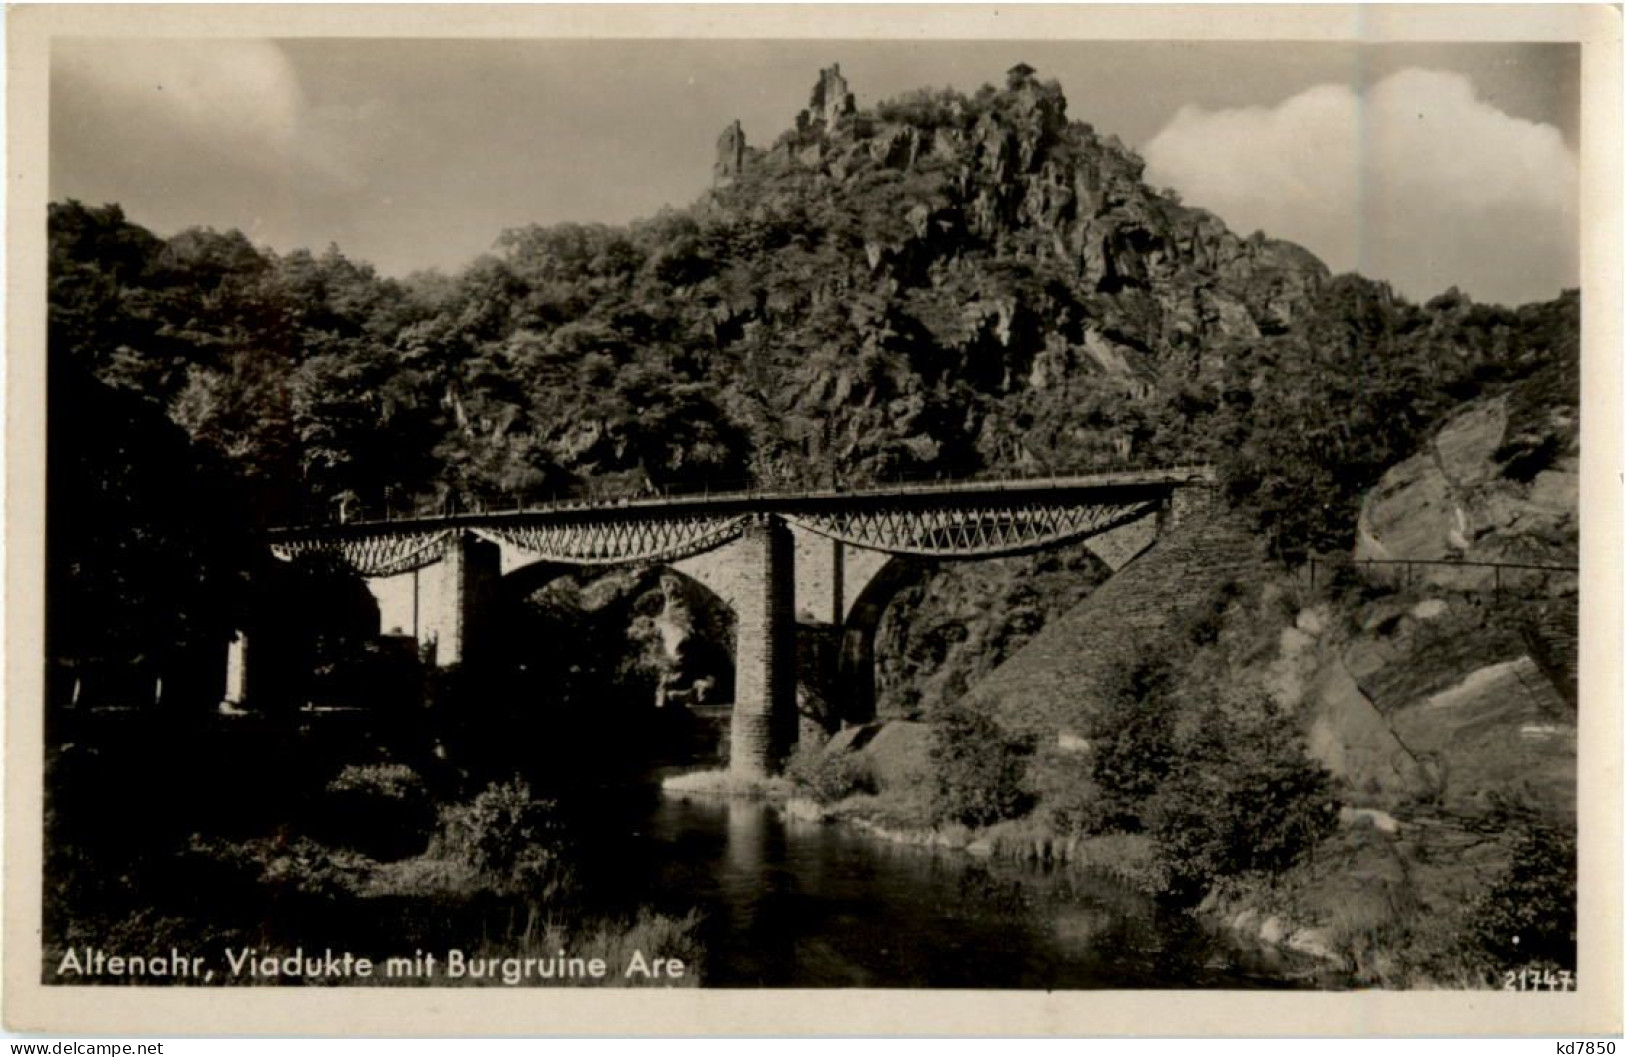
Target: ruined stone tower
column 831, row 100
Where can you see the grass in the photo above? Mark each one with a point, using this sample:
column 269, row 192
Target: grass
column 649, row 935
column 726, row 783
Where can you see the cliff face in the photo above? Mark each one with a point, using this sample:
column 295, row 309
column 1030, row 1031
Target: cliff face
column 1476, row 682
column 1481, row 492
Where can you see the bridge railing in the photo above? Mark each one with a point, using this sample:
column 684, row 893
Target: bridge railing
column 903, row 484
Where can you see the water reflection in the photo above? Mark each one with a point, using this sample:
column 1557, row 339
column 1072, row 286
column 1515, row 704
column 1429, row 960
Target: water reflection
column 746, row 826
column 796, row 904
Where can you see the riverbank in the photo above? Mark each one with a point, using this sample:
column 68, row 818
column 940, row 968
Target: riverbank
column 1128, row 859
column 725, row 783
column 810, row 900
column 1412, row 902
column 901, row 818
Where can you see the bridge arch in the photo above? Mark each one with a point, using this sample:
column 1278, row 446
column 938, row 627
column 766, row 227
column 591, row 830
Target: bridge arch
column 856, row 672
column 694, row 624
column 873, row 579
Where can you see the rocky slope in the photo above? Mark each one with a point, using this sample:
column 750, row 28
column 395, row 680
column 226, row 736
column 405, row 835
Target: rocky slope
column 944, row 634
column 1435, row 691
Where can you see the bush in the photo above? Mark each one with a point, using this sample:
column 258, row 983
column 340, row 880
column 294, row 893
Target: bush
column 510, row 840
column 287, row 868
column 1242, row 796
column 382, row 809
column 978, row 772
column 650, row 934
column 927, row 109
column 826, row 777
column 1131, row 743
column 1528, row 915
column 385, row 781
column 1069, row 802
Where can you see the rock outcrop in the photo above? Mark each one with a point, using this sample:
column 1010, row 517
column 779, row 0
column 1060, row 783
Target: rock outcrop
column 1458, row 500
column 730, row 154
column 1104, row 290
column 1436, row 706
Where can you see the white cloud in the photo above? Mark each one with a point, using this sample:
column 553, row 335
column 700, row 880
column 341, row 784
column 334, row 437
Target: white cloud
column 1418, row 182
column 230, row 93
column 149, row 116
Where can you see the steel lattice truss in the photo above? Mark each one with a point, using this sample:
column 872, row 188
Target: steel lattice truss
column 383, row 554
column 658, row 539
column 1003, row 525
column 982, row 532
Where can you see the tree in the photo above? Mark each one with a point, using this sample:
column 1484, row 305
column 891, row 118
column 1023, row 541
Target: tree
column 978, row 772
column 1242, row 795
column 150, row 551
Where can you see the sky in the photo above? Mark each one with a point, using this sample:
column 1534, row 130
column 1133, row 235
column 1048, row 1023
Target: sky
column 1428, row 165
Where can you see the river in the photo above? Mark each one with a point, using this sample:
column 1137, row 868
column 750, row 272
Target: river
column 782, row 903
column 789, row 903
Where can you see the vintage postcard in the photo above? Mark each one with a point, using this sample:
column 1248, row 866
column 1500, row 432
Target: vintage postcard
column 705, row 520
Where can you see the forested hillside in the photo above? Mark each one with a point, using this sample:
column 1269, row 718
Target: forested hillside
column 943, row 285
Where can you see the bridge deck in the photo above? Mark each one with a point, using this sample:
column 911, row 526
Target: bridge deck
column 1104, row 487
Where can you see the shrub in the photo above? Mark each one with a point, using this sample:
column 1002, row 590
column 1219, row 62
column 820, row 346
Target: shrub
column 1068, row 799
column 296, row 867
column 650, row 934
column 1132, row 752
column 826, row 777
column 385, row 781
column 383, row 809
column 1242, row 796
column 510, row 840
column 978, row 772
column 1528, row 915
column 925, row 108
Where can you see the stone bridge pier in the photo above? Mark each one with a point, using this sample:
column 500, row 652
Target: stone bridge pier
column 788, row 588
column 763, row 728
column 444, row 606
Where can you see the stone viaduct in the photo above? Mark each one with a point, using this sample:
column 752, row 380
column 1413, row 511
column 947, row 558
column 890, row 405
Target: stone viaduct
column 826, row 560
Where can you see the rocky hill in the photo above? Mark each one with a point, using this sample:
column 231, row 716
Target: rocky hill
column 974, row 283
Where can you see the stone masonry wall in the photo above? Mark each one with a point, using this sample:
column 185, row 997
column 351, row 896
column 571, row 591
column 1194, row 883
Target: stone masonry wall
column 1050, row 685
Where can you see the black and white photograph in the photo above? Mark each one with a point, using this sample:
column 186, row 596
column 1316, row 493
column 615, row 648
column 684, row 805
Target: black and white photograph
column 921, row 513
